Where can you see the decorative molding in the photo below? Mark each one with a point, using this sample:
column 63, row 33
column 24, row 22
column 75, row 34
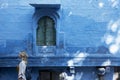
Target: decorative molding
column 89, row 50
column 60, row 61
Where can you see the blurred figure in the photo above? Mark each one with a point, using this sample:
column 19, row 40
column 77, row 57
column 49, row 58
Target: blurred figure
column 64, row 76
column 22, row 65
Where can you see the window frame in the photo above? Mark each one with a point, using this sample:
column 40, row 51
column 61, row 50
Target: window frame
column 45, row 20
column 45, row 50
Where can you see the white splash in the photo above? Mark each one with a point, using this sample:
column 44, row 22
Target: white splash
column 101, row 4
column 70, row 63
column 112, row 37
column 70, row 13
column 44, row 47
column 114, row 27
column 109, row 39
column 79, row 58
column 106, row 63
column 114, row 48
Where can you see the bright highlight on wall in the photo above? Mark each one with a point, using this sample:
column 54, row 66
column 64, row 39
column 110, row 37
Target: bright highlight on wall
column 112, row 37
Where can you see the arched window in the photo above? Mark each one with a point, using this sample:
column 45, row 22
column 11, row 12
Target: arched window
column 46, row 32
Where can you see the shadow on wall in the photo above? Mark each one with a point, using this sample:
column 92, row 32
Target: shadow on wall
column 103, row 50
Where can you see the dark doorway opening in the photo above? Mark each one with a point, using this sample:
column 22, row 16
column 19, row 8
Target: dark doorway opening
column 48, row 75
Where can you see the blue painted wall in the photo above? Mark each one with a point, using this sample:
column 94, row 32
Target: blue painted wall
column 87, row 33
column 82, row 73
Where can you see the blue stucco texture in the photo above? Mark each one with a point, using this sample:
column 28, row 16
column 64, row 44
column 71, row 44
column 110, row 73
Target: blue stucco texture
column 87, row 34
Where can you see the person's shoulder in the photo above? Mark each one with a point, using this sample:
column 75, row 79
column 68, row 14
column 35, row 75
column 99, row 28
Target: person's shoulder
column 22, row 62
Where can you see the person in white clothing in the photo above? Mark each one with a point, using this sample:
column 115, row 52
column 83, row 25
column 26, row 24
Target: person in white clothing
column 65, row 76
column 22, row 66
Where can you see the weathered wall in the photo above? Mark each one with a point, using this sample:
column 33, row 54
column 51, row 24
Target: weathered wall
column 82, row 73
column 88, row 34
column 15, row 31
column 85, row 25
column 88, row 23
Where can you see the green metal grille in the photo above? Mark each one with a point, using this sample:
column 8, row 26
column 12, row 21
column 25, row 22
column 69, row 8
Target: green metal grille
column 46, row 33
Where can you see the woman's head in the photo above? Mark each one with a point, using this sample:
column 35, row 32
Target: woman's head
column 23, row 55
